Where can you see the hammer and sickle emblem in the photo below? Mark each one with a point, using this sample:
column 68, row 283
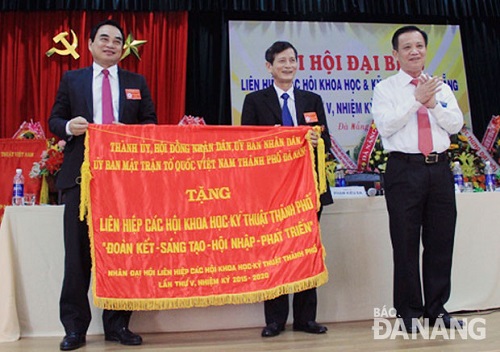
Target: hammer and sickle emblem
column 70, row 48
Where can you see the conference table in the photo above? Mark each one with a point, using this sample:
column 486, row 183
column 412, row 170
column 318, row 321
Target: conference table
column 355, row 235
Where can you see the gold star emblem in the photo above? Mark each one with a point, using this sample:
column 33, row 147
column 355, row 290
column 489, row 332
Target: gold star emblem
column 131, row 46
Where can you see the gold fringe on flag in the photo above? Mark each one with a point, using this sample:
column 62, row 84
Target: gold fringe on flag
column 86, row 176
column 218, row 300
column 85, row 208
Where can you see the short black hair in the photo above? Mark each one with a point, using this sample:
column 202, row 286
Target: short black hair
column 94, row 30
column 277, row 48
column 406, row 29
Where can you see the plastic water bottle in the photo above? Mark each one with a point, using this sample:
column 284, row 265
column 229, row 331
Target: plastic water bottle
column 340, row 176
column 489, row 178
column 18, row 188
column 458, row 177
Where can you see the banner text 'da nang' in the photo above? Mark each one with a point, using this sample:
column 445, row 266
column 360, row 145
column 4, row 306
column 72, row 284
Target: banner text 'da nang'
column 186, row 216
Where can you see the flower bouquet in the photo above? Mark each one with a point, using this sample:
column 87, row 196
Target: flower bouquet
column 460, row 150
column 472, row 165
column 378, row 157
column 48, row 167
column 29, row 130
column 330, row 166
column 191, row 120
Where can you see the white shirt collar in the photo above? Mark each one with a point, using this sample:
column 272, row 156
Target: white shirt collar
column 113, row 70
column 404, row 78
column 280, row 92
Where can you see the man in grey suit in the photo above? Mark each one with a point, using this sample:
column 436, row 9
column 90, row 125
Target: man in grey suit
column 79, row 102
column 282, row 104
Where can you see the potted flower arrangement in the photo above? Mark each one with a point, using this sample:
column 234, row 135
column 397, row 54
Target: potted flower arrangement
column 460, row 150
column 330, row 166
column 47, row 168
column 472, row 165
column 378, row 157
column 495, row 150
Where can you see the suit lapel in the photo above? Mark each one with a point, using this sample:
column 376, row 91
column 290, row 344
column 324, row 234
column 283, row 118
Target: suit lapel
column 122, row 84
column 299, row 106
column 87, row 89
column 272, row 102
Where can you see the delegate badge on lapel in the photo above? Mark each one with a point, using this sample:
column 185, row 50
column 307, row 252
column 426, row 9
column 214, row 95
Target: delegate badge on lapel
column 133, row 94
column 310, row 117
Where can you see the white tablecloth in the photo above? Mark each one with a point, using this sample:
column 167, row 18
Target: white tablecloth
column 356, row 236
column 359, row 258
column 31, row 261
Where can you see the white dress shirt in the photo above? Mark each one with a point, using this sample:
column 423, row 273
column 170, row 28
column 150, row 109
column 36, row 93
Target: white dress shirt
column 97, row 78
column 394, row 110
column 97, row 91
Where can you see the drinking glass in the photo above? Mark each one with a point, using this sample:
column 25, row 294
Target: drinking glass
column 29, row 199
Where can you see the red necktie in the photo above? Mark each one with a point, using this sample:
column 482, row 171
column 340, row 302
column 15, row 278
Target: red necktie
column 107, row 100
column 424, row 128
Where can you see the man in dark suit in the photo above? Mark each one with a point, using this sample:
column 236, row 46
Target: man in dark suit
column 282, row 104
column 80, row 101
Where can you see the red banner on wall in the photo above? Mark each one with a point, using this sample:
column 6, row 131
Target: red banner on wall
column 14, row 154
column 185, row 216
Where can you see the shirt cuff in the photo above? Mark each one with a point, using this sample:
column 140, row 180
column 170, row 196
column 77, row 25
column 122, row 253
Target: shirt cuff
column 68, row 132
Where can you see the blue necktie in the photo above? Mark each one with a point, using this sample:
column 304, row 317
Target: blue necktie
column 286, row 116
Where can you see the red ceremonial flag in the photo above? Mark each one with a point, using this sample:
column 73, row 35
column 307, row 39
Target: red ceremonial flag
column 184, row 216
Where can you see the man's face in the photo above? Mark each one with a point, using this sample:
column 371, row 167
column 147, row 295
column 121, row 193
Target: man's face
column 107, row 46
column 411, row 52
column 284, row 66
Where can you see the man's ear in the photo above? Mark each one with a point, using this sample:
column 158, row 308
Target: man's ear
column 269, row 67
column 395, row 54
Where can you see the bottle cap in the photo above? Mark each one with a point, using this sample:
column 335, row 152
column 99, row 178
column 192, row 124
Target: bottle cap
column 19, row 171
column 372, row 192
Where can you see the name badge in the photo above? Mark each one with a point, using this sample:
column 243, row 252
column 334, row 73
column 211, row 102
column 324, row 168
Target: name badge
column 310, row 117
column 348, row 192
column 133, row 94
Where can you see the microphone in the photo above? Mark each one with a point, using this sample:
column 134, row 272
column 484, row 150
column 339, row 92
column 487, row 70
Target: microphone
column 372, row 192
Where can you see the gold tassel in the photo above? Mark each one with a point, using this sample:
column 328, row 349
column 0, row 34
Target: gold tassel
column 319, row 170
column 44, row 191
column 315, row 173
column 321, row 161
column 85, row 177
